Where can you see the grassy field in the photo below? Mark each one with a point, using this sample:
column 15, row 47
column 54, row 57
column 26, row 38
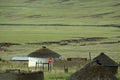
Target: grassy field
column 36, row 34
column 23, row 35
column 39, row 34
column 59, row 12
column 88, row 26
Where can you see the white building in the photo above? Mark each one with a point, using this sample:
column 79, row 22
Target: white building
column 42, row 56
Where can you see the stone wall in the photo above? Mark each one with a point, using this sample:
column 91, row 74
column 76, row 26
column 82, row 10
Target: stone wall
column 22, row 76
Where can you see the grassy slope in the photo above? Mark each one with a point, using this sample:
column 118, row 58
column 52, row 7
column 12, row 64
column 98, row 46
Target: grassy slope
column 52, row 33
column 60, row 11
column 83, row 12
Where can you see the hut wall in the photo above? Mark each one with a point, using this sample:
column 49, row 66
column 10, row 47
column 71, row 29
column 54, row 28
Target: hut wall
column 33, row 61
column 22, row 76
column 31, row 76
column 8, row 76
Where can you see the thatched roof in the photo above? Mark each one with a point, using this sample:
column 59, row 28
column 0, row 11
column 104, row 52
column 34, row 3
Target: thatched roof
column 93, row 71
column 104, row 60
column 44, row 53
column 100, row 68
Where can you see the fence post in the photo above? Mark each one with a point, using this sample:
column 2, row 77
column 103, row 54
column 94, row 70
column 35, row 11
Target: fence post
column 65, row 69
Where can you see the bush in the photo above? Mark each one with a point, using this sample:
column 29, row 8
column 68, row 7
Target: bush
column 0, row 59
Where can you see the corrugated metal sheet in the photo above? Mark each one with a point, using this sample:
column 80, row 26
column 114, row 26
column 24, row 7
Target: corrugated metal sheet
column 16, row 58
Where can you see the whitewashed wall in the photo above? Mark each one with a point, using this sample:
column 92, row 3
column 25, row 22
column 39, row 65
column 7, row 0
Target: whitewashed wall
column 33, row 60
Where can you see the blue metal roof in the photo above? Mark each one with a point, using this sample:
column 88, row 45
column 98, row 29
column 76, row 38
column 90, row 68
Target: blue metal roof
column 19, row 58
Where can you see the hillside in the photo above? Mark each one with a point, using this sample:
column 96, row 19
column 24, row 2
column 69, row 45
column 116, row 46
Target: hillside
column 70, row 12
column 26, row 25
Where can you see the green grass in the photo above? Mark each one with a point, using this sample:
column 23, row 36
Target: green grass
column 39, row 34
column 56, row 76
column 52, row 33
column 71, row 12
column 59, row 11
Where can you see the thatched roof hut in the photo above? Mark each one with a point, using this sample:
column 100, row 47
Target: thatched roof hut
column 95, row 70
column 42, row 56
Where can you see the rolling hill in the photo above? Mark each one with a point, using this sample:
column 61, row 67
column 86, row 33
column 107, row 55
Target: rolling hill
column 70, row 12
